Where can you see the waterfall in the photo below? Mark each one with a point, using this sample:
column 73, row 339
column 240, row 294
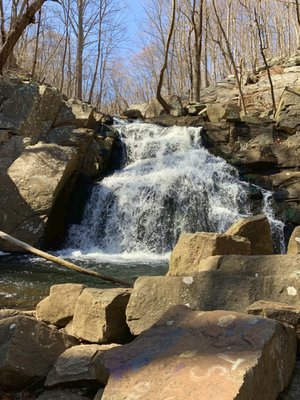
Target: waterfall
column 170, row 184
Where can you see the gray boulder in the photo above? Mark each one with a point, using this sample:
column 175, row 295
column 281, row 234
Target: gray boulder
column 28, row 349
column 75, row 367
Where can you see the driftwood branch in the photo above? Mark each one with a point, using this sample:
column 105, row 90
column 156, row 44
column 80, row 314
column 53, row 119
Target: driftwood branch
column 60, row 261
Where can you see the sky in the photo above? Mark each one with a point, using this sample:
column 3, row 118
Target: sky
column 135, row 13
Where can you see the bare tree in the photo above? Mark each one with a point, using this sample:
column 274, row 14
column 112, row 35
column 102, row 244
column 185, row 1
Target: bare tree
column 230, row 54
column 24, row 19
column 159, row 96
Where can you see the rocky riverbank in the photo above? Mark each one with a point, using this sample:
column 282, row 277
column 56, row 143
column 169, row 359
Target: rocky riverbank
column 164, row 338
column 49, row 147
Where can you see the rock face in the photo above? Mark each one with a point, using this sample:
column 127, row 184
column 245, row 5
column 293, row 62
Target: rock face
column 191, row 248
column 58, row 308
column 99, row 316
column 257, row 230
column 294, row 242
column 46, row 143
column 229, row 283
column 75, row 367
column 28, row 349
column 204, row 355
column 288, row 114
column 58, row 394
column 280, row 312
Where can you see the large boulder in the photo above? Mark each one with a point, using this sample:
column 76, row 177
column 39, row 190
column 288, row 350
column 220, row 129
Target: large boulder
column 58, row 308
column 217, row 112
column 294, row 242
column 99, row 316
column 288, row 111
column 257, row 230
column 74, row 112
column 204, row 355
column 28, row 108
column 31, row 187
column 287, row 185
column 191, row 248
column 28, row 349
column 75, row 367
column 229, row 283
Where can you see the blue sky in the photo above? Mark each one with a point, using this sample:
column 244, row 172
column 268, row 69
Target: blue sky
column 135, row 16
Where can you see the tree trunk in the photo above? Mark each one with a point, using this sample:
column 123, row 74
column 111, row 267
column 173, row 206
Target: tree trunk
column 79, row 53
column 37, row 43
column 230, row 54
column 265, row 60
column 16, row 32
column 159, row 97
column 2, row 23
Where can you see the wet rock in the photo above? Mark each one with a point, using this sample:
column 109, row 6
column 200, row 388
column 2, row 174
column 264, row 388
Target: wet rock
column 257, row 230
column 191, row 248
column 209, row 355
column 75, row 366
column 294, row 242
column 132, row 113
column 28, row 348
column 58, row 394
column 99, row 316
column 58, row 308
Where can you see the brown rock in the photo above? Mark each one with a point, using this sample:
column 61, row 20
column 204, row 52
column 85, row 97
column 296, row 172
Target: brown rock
column 273, row 265
column 279, row 311
column 58, row 308
column 99, row 316
column 233, row 285
column 28, row 348
column 204, row 355
column 294, row 242
column 288, row 114
column 191, row 248
column 257, row 230
column 74, row 366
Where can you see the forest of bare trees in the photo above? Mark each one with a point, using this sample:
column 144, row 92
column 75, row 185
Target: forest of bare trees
column 82, row 46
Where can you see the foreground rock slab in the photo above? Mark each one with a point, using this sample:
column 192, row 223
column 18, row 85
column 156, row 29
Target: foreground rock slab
column 191, row 248
column 58, row 308
column 257, row 230
column 204, row 355
column 294, row 242
column 99, row 316
column 230, row 289
column 75, row 366
column 28, row 349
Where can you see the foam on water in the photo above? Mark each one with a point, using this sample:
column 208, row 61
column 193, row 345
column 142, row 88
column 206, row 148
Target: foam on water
column 171, row 184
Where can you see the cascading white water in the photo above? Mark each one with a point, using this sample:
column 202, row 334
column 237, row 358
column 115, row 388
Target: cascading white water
column 170, row 184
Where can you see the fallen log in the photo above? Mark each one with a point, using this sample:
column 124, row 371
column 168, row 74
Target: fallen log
column 61, row 261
